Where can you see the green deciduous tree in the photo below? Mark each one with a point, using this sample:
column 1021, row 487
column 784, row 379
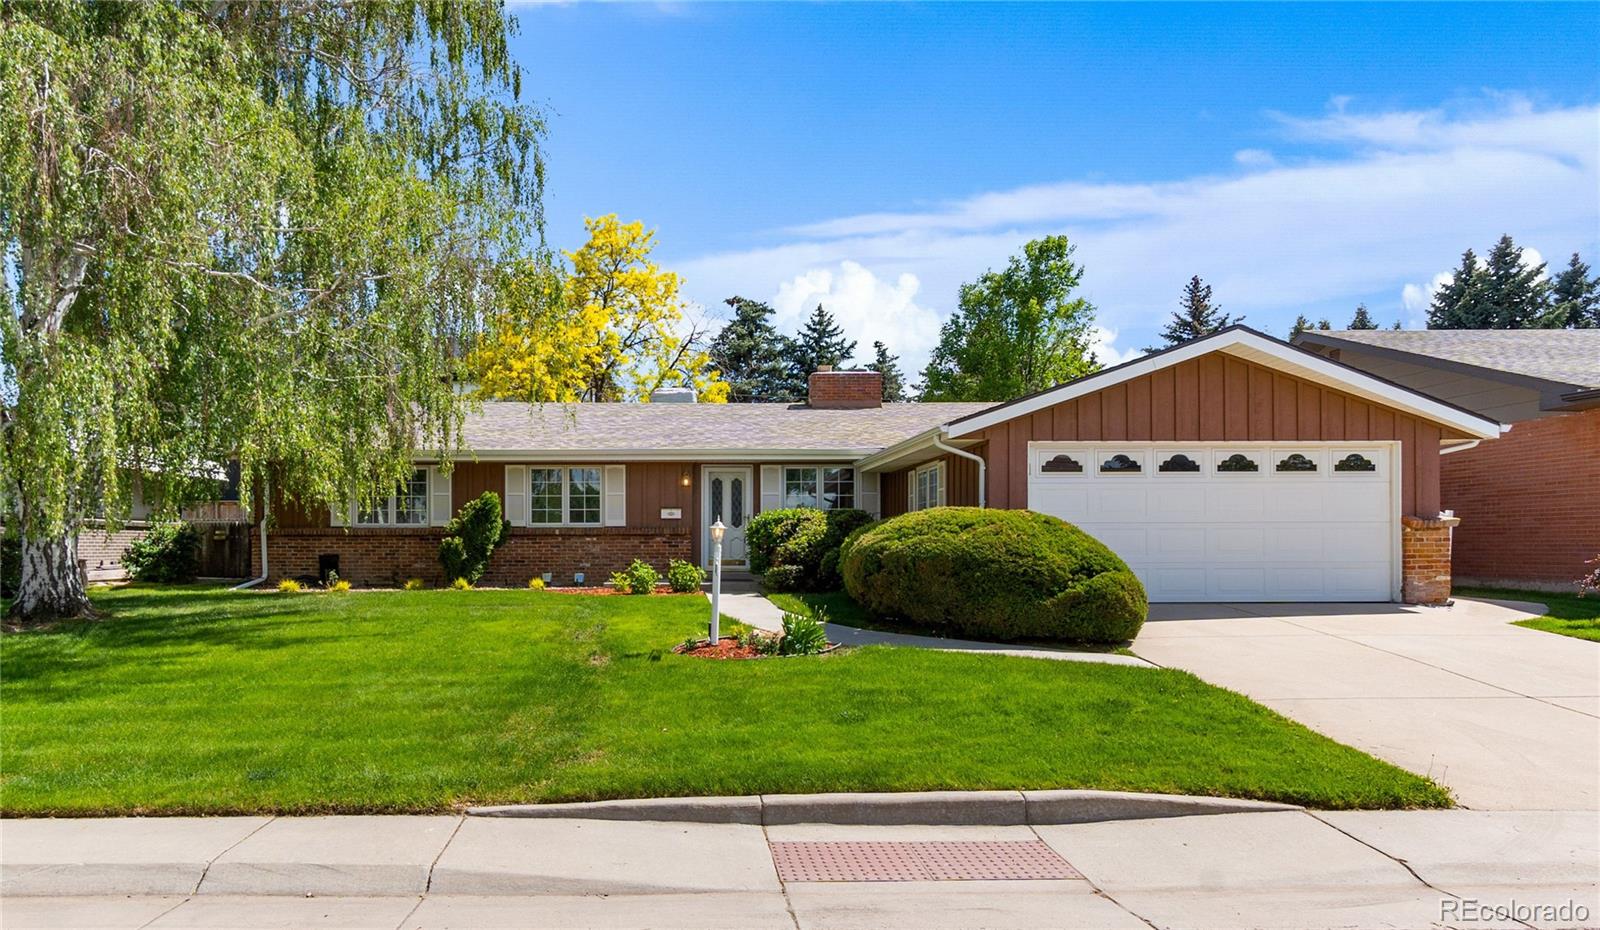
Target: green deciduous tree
column 250, row 231
column 1362, row 319
column 1015, row 331
column 1575, row 296
column 1196, row 315
column 894, row 380
column 749, row 352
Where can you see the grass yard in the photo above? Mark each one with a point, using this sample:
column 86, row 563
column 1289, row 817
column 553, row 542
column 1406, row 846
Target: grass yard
column 193, row 700
column 840, row 607
column 1567, row 614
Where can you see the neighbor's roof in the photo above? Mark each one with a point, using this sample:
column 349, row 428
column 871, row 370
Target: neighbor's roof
column 643, row 429
column 1564, row 356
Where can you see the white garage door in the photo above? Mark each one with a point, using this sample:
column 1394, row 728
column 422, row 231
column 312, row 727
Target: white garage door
column 1233, row 521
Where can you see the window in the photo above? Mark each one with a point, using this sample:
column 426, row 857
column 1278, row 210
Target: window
column 927, row 487
column 838, row 488
column 1238, row 462
column 564, row 496
column 1355, row 462
column 825, row 487
column 1179, row 462
column 544, row 496
column 408, row 506
column 1296, row 462
column 800, row 488
column 1062, row 464
column 1121, row 464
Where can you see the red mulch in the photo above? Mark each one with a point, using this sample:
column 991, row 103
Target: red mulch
column 552, row 589
column 726, row 648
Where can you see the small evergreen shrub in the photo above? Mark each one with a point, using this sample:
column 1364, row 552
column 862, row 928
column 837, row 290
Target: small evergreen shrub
column 801, row 540
column 995, row 574
column 471, row 537
column 684, row 577
column 168, row 553
column 638, row 578
column 415, row 584
column 288, row 586
column 535, row 583
column 802, row 636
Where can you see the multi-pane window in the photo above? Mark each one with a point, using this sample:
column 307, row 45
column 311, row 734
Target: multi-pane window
column 544, row 496
column 827, row 487
column 927, row 489
column 565, row 496
column 583, row 495
column 407, row 507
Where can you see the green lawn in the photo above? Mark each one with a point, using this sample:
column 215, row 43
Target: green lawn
column 1567, row 614
column 842, row 608
column 208, row 701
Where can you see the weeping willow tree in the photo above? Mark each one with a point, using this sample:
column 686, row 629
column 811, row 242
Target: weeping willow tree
column 252, row 231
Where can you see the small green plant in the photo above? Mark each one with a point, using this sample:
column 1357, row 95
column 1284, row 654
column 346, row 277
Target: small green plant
column 461, row 584
column 638, row 578
column 415, row 584
column 338, row 585
column 803, row 635
column 535, row 583
column 689, row 644
column 167, row 553
column 288, row 586
column 684, row 577
column 471, row 536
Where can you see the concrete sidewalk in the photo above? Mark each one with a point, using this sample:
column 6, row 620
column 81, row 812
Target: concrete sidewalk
column 1285, row 869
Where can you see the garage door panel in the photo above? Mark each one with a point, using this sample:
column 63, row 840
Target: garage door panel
column 1208, row 535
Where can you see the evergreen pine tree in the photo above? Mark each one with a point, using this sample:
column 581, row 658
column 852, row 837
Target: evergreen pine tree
column 1301, row 324
column 894, row 380
column 1196, row 316
column 1514, row 295
column 1396, row 327
column 1325, row 324
column 821, row 342
column 1575, row 297
column 1362, row 319
column 750, row 354
column 1458, row 304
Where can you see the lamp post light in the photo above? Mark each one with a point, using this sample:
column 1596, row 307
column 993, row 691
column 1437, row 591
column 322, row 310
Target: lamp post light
column 717, row 529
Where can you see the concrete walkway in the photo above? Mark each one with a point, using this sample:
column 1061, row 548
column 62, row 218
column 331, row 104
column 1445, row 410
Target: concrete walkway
column 746, row 604
column 1289, row 869
column 1507, row 717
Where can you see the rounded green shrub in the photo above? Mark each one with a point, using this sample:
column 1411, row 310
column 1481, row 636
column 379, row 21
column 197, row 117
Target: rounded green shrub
column 684, row 577
column 169, row 552
column 994, row 574
column 795, row 548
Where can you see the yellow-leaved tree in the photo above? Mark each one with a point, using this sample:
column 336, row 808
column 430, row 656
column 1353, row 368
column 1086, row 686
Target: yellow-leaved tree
column 611, row 327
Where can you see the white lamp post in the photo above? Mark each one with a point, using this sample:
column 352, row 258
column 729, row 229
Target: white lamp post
column 717, row 529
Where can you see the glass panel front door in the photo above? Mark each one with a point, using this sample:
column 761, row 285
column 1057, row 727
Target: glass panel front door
column 728, row 500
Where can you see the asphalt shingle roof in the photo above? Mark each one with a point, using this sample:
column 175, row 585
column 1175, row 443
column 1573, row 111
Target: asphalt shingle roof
column 1569, row 356
column 509, row 426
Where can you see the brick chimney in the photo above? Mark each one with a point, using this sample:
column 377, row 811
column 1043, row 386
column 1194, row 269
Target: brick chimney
column 827, row 389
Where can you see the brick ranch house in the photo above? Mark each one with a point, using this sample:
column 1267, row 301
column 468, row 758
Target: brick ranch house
column 1231, row 468
column 1529, row 503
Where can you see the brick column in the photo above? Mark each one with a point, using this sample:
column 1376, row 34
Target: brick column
column 1425, row 559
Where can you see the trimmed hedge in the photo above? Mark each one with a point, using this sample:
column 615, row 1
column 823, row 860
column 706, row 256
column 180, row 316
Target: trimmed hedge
column 795, row 548
column 994, row 574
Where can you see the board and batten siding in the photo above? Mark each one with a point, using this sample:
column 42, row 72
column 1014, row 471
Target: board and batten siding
column 1216, row 398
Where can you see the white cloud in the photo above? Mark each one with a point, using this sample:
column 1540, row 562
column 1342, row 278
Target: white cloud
column 1383, row 197
column 1254, row 158
column 866, row 306
column 1107, row 354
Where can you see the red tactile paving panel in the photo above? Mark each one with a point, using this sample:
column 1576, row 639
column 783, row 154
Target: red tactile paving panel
column 918, row 861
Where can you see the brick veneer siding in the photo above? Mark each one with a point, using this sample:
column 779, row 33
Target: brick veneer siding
column 390, row 555
column 844, row 390
column 1425, row 560
column 101, row 552
column 1528, row 501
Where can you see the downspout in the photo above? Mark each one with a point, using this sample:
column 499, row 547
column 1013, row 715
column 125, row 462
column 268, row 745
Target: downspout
column 983, row 467
column 266, row 491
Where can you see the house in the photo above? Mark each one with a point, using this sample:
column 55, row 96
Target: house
column 1233, row 467
column 1529, row 503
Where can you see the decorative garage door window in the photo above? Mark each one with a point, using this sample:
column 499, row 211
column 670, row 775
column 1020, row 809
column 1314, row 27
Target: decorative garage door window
column 1238, row 462
column 1121, row 464
column 1296, row 462
column 1355, row 462
column 1062, row 464
column 1179, row 463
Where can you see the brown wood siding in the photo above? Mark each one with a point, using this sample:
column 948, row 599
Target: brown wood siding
column 892, row 492
column 960, row 475
column 471, row 479
column 1215, row 398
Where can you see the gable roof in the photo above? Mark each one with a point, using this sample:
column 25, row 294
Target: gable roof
column 1561, row 358
column 1248, row 344
column 668, row 431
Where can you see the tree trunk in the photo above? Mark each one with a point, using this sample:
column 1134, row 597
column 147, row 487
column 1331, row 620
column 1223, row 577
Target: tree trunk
column 52, row 586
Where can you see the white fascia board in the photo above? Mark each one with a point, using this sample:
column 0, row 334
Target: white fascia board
column 656, row 455
column 917, row 443
column 1248, row 346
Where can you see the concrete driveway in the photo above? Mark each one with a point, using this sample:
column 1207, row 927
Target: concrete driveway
column 1507, row 717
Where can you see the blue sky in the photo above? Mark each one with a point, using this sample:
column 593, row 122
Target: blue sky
column 1300, row 158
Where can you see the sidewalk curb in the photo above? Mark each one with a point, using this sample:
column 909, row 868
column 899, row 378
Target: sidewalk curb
column 933, row 808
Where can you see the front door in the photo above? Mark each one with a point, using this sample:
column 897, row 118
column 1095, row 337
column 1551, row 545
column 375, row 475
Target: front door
column 728, row 500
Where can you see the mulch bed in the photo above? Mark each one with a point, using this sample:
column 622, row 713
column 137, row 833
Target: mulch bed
column 552, row 589
column 726, row 648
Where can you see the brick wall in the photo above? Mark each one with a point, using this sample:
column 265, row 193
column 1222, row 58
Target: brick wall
column 843, row 390
column 390, row 555
column 1425, row 560
column 101, row 552
column 1528, row 501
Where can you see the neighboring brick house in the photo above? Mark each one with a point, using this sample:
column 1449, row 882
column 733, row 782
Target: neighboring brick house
column 1232, row 468
column 1529, row 503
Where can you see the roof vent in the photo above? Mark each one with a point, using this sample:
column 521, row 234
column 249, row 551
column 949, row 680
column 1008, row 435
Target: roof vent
column 672, row 395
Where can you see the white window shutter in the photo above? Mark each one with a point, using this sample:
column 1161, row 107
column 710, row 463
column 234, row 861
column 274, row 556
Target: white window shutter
column 941, row 478
column 868, row 482
column 615, row 487
column 439, row 499
column 517, row 494
column 911, row 490
column 339, row 516
column 771, row 487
